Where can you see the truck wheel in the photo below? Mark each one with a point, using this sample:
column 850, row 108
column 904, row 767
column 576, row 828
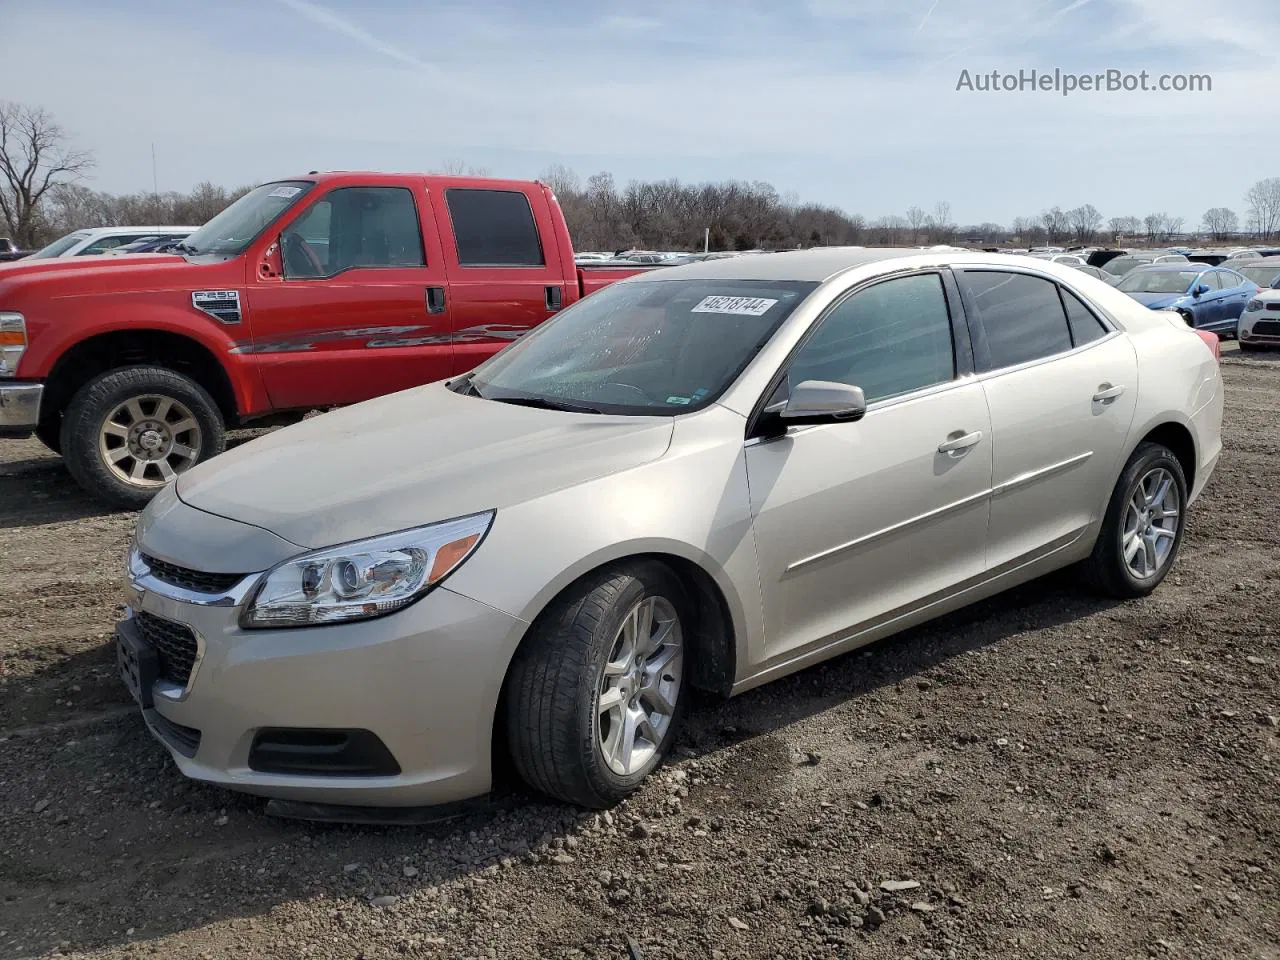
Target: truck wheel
column 597, row 691
column 130, row 431
column 49, row 432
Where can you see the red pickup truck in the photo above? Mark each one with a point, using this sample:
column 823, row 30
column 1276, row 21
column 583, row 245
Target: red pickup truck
column 311, row 292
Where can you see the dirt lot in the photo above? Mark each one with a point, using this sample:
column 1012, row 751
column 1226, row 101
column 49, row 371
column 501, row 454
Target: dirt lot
column 1055, row 776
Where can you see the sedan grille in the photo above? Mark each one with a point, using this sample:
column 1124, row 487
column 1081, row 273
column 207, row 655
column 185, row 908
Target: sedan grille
column 1267, row 328
column 174, row 643
column 195, row 580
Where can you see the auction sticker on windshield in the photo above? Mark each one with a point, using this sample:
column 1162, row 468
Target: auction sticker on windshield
column 287, row 192
column 742, row 306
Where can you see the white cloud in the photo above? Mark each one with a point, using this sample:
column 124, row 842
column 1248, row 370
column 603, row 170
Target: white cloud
column 331, row 21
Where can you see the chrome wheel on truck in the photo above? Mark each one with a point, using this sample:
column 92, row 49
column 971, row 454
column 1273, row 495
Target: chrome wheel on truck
column 128, row 432
column 147, row 441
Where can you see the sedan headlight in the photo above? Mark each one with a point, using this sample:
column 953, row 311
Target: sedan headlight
column 13, row 342
column 365, row 579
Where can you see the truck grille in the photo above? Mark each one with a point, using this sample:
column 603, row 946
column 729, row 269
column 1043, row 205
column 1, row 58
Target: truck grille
column 174, row 643
column 195, row 580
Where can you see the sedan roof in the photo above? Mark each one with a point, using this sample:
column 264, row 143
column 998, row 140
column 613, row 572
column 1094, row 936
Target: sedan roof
column 817, row 264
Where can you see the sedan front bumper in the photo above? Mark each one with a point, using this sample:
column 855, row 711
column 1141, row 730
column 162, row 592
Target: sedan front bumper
column 417, row 690
column 19, row 408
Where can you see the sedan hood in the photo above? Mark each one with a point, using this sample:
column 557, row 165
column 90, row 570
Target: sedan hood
column 1157, row 301
column 412, row 458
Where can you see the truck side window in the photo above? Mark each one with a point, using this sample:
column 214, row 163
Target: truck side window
column 354, row 227
column 494, row 228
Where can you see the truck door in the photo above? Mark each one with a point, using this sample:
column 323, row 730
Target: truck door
column 357, row 307
column 503, row 264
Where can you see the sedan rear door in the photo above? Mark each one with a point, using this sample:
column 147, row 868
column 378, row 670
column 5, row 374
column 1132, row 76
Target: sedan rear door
column 1061, row 385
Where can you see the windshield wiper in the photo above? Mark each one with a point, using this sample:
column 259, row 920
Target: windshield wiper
column 547, row 403
column 185, row 248
column 464, row 386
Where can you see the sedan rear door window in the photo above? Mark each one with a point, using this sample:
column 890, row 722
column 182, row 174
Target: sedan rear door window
column 1020, row 317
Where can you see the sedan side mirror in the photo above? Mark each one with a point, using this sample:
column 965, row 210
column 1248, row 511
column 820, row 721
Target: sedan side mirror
column 823, row 401
column 1200, row 290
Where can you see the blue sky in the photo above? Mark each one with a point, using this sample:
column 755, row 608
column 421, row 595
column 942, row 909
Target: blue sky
column 846, row 102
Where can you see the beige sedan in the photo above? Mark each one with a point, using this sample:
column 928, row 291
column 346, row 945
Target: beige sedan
column 707, row 476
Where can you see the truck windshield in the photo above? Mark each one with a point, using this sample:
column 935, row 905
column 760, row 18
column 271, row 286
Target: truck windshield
column 231, row 231
column 645, row 348
column 58, row 247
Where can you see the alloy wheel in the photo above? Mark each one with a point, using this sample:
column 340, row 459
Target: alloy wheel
column 146, row 441
column 640, row 685
column 1151, row 520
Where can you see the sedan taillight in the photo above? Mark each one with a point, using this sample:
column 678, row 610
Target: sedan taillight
column 1211, row 341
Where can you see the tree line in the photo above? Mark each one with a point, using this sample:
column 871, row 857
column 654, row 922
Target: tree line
column 42, row 197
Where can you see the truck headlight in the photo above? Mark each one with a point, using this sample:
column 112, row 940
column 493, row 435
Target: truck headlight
column 364, row 579
column 13, row 342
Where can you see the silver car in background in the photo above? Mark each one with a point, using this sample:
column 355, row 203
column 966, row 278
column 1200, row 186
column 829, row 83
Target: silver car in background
column 708, row 476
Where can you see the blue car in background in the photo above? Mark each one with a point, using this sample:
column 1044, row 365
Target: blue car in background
column 1207, row 298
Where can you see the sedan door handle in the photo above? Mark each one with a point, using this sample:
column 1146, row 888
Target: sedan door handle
column 1106, row 393
column 956, row 446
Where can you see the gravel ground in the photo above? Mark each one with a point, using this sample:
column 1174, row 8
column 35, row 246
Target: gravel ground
column 1043, row 775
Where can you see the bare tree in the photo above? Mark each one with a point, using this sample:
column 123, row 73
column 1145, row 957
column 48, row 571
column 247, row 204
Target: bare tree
column 561, row 179
column 460, row 168
column 1263, row 199
column 940, row 224
column 1085, row 221
column 1055, row 223
column 1220, row 222
column 1153, row 223
column 1124, row 226
column 1171, row 226
column 915, row 220
column 34, row 158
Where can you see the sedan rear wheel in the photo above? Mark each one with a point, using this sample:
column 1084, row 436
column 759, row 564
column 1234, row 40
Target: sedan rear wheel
column 1143, row 526
column 596, row 693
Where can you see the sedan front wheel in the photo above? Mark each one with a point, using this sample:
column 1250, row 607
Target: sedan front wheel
column 596, row 692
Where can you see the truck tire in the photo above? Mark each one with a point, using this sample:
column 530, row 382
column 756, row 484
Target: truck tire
column 1143, row 526
column 129, row 431
column 598, row 689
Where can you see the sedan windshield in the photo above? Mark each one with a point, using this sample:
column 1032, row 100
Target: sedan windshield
column 657, row 348
column 1158, row 281
column 231, row 231
column 58, row 247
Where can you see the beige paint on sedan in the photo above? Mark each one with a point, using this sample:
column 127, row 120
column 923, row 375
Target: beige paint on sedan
column 706, row 476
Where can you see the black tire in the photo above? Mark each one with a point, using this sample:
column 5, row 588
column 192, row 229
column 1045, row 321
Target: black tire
column 49, row 432
column 1249, row 347
column 1106, row 570
column 554, row 684
column 89, row 409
